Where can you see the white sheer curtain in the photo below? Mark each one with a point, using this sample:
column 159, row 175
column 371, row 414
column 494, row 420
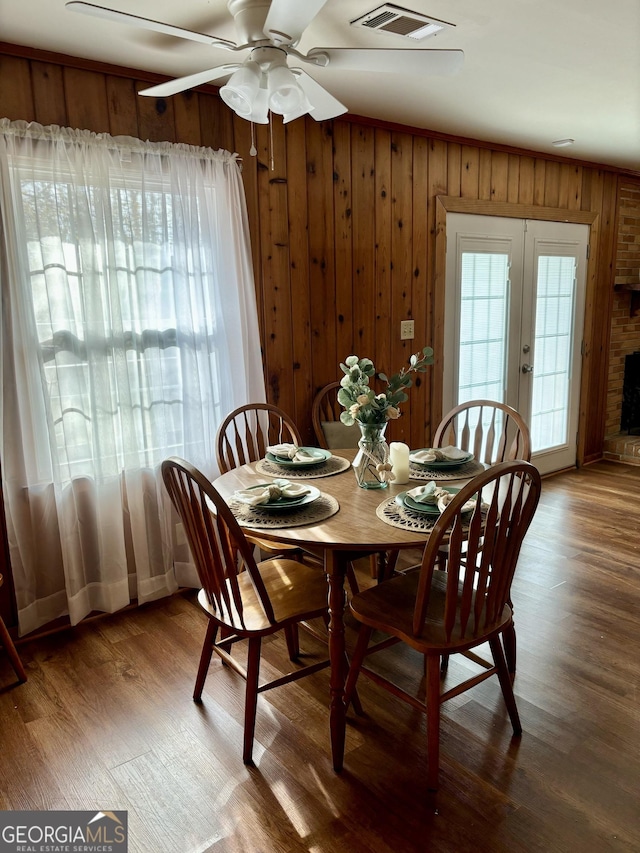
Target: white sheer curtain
column 129, row 330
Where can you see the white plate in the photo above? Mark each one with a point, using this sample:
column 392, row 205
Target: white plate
column 282, row 505
column 407, row 500
column 438, row 465
column 319, row 456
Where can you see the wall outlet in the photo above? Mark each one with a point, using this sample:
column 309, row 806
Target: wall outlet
column 406, row 330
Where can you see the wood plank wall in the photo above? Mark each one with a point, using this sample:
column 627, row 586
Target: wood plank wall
column 343, row 224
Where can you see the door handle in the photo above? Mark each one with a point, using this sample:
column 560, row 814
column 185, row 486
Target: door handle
column 527, row 368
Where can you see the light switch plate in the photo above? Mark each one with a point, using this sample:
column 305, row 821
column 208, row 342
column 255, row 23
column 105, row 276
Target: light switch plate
column 406, row 330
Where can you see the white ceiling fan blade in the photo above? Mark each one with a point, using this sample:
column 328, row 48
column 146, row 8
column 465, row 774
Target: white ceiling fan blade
column 324, row 105
column 402, row 60
column 288, row 19
column 146, row 24
column 180, row 84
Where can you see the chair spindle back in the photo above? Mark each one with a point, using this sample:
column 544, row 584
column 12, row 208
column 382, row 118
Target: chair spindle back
column 492, row 431
column 483, row 549
column 218, row 546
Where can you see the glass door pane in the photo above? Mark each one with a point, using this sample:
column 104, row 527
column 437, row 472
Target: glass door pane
column 553, row 351
column 484, row 302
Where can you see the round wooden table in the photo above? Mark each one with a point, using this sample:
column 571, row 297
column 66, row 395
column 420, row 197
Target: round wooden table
column 354, row 528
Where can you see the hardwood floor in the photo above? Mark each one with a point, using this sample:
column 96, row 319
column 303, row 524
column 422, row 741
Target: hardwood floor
column 106, row 720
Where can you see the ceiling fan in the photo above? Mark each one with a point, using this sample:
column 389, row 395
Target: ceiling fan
column 264, row 80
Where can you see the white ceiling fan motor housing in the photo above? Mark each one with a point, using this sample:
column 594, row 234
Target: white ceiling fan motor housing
column 249, row 17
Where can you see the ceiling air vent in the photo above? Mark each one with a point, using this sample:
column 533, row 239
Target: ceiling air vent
column 400, row 22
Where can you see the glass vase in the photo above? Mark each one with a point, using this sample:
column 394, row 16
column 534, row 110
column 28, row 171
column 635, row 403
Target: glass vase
column 372, row 457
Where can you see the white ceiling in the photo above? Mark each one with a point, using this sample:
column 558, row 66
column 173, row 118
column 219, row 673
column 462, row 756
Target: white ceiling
column 535, row 70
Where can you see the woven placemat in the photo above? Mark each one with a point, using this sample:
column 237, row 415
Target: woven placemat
column 251, row 516
column 396, row 515
column 399, row 516
column 333, row 465
column 464, row 472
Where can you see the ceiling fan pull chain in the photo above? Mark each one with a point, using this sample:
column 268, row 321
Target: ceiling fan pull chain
column 253, row 150
column 271, row 161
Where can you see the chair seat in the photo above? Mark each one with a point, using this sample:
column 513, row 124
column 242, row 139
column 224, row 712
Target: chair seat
column 388, row 607
column 304, row 596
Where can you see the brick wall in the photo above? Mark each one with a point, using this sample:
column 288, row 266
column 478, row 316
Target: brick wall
column 625, row 328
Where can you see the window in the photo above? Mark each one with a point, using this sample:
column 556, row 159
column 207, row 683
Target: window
column 130, row 330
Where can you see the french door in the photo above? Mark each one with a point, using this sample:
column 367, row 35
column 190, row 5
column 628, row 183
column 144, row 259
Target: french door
column 514, row 309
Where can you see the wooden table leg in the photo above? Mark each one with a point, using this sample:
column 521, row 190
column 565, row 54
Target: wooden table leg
column 335, row 567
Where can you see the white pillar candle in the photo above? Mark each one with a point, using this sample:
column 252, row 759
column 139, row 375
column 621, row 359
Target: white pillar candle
column 399, row 459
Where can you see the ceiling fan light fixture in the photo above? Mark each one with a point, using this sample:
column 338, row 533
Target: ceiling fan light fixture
column 260, row 111
column 241, row 90
column 285, row 95
column 305, row 107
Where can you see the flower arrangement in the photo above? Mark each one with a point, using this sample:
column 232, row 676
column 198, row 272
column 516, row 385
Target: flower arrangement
column 359, row 400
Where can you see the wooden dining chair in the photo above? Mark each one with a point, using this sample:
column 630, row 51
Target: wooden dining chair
column 330, row 432
column 9, row 647
column 453, row 612
column 494, row 432
column 242, row 599
column 246, row 432
column 243, row 436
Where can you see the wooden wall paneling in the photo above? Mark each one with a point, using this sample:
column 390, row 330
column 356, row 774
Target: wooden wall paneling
column 297, row 204
column 526, row 180
column 484, row 174
column 384, row 218
column 585, row 189
column 121, row 102
column 570, row 186
column 16, row 95
column 86, row 99
column 419, row 405
column 552, row 185
column 453, row 159
column 591, row 354
column 539, row 171
column 48, row 93
column 186, row 111
column 220, row 127
column 343, row 223
column 274, row 238
column 600, row 323
column 401, row 264
column 499, row 176
column 322, row 278
column 155, row 117
column 513, row 179
column 363, row 195
column 436, row 218
column 469, row 172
